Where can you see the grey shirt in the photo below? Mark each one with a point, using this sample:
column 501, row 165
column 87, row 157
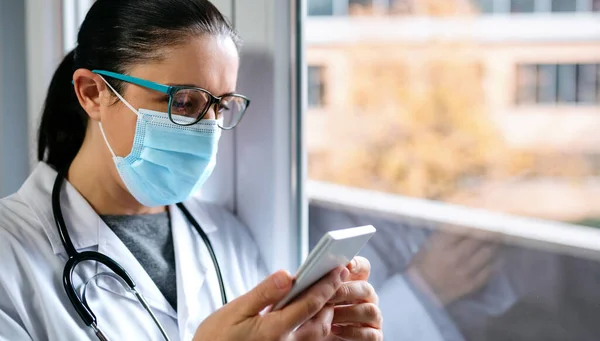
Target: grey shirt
column 149, row 239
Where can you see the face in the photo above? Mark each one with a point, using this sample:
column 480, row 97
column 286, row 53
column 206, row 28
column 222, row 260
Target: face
column 208, row 62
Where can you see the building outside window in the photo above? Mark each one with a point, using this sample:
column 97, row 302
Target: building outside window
column 557, row 84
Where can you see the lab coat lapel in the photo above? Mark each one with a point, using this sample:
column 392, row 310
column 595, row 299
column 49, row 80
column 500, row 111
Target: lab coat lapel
column 197, row 284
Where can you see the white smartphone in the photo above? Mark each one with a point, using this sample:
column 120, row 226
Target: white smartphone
column 336, row 248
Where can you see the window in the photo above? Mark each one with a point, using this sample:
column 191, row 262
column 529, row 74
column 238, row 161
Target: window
column 526, row 84
column 411, row 126
column 567, row 83
column 586, row 83
column 485, row 6
column 546, row 83
column 320, row 7
column 596, row 5
column 564, row 5
column 522, row 6
column 557, row 84
column 316, row 86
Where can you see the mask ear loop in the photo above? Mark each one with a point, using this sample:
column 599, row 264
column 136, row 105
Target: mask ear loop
column 124, row 102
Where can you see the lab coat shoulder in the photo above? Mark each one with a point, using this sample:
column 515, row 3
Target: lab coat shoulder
column 28, row 266
column 233, row 241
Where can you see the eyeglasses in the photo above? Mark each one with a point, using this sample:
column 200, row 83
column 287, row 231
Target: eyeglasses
column 188, row 105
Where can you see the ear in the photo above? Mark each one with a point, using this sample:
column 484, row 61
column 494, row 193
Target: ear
column 91, row 92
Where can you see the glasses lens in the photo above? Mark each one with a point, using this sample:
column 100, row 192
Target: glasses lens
column 187, row 105
column 231, row 110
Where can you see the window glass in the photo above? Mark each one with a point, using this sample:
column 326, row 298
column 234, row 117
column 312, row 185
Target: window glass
column 586, row 83
column 522, row 6
column 320, row 7
column 473, row 163
column 547, row 83
column 526, row 84
column 564, row 5
column 567, row 83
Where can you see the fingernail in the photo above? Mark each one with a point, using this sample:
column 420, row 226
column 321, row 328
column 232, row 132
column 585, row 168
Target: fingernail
column 280, row 282
column 354, row 266
column 344, row 274
column 337, row 330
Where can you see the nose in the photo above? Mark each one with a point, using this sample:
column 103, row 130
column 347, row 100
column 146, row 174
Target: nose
column 211, row 113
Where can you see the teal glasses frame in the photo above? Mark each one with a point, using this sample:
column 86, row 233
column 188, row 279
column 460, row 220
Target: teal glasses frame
column 171, row 90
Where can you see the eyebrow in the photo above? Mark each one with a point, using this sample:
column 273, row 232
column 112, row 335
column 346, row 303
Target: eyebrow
column 234, row 92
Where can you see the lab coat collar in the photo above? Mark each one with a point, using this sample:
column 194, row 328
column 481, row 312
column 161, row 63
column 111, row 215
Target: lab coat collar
column 88, row 230
column 77, row 212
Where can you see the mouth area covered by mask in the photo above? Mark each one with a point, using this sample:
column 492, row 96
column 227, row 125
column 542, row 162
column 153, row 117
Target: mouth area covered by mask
column 168, row 163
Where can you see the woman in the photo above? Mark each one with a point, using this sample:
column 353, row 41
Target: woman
column 129, row 130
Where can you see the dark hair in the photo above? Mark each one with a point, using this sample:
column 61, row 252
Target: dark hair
column 115, row 35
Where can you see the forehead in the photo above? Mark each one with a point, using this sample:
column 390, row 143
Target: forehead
column 206, row 61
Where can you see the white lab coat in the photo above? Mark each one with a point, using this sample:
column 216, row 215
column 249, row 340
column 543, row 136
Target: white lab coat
column 33, row 303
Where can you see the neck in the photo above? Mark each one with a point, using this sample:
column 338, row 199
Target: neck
column 98, row 182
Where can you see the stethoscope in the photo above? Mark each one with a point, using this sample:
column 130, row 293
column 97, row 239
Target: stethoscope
column 80, row 303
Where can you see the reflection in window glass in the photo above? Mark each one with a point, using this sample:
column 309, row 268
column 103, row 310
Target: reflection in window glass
column 526, row 84
column 547, row 83
column 586, row 83
column 567, row 83
column 522, row 6
column 320, row 7
column 564, row 5
column 316, row 86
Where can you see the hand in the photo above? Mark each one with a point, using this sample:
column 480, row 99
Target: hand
column 356, row 314
column 241, row 319
column 454, row 266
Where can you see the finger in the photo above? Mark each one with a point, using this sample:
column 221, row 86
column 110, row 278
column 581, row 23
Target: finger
column 270, row 291
column 481, row 278
column 482, row 258
column 318, row 327
column 444, row 239
column 353, row 333
column 367, row 314
column 308, row 304
column 355, row 292
column 360, row 269
column 467, row 248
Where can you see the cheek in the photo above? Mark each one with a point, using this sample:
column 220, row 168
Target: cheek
column 119, row 125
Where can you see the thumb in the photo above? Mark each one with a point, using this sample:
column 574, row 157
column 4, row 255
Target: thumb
column 270, row 291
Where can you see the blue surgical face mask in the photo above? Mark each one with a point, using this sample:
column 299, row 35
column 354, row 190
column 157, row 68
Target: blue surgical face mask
column 168, row 162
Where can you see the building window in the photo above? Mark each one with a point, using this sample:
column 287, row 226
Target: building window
column 526, row 84
column 558, row 84
column 316, row 86
column 522, row 6
column 567, row 83
column 320, row 7
column 485, row 6
column 564, row 5
column 587, row 75
column 546, row 83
